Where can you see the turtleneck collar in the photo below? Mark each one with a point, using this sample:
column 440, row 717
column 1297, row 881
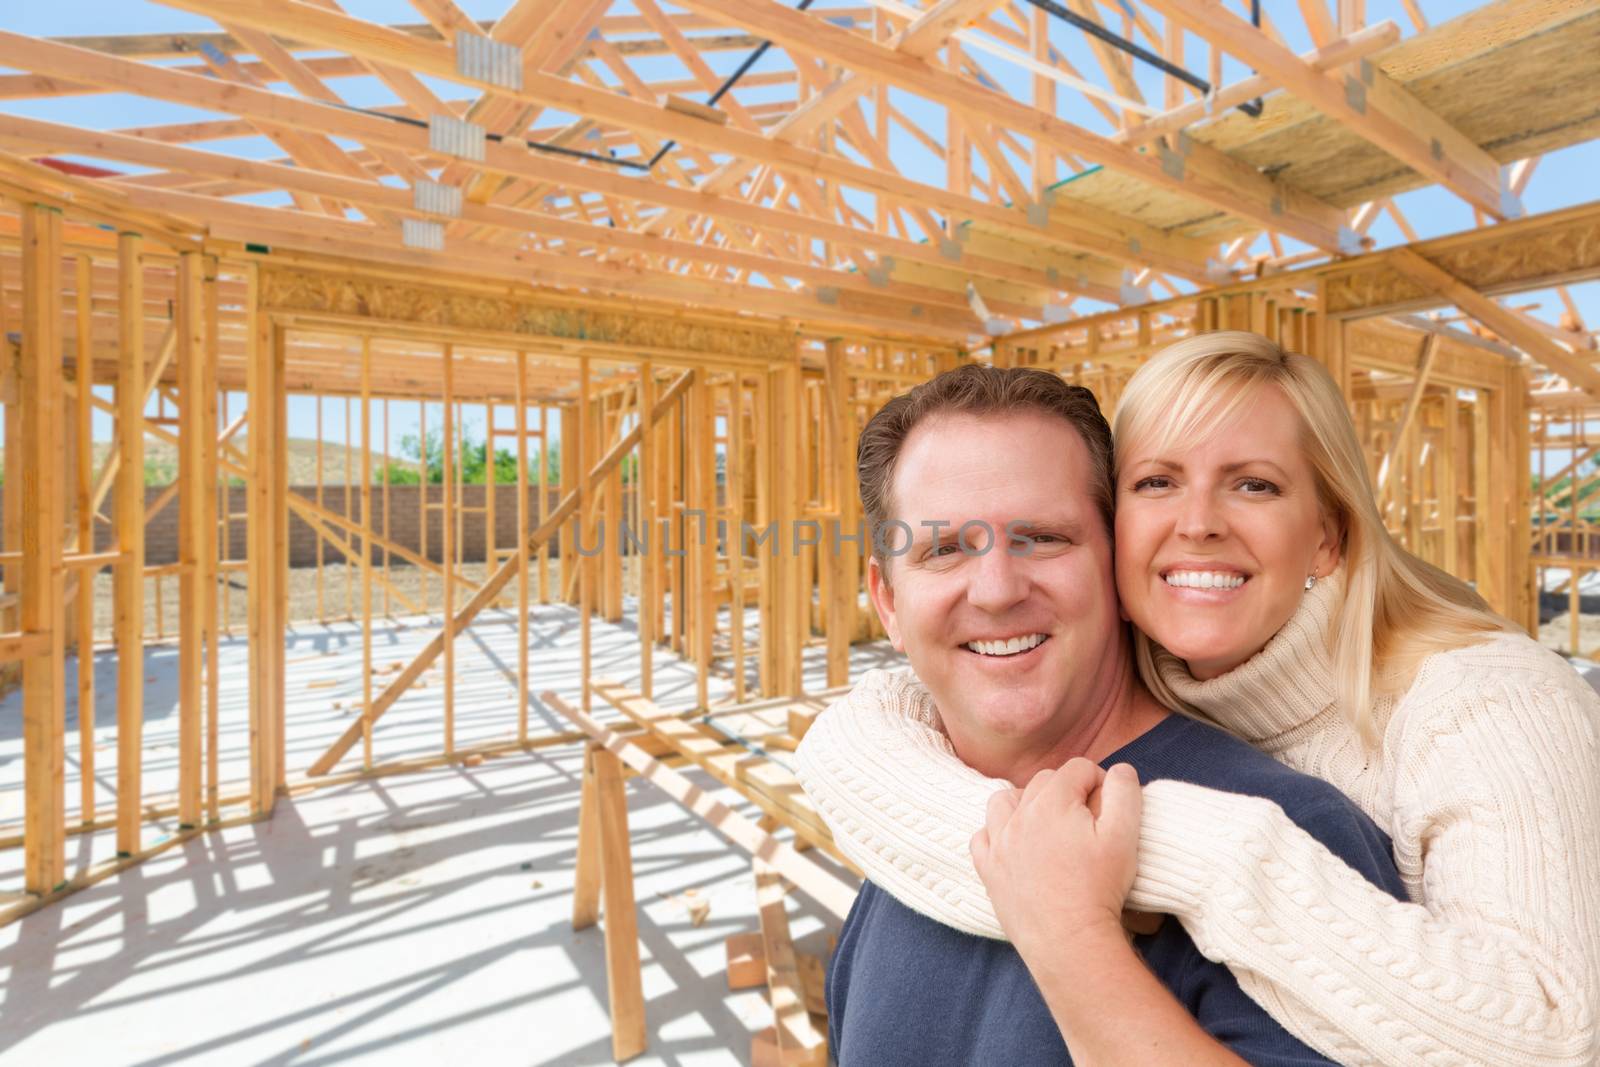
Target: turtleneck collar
column 1279, row 689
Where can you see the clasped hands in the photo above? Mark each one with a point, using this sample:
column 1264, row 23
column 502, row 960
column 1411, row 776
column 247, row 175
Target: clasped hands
column 1059, row 857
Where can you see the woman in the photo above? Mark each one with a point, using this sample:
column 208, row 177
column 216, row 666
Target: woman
column 1268, row 598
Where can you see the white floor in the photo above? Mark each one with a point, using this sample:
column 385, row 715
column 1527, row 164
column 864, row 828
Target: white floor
column 411, row 919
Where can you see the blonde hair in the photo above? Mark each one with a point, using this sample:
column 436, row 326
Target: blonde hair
column 1396, row 609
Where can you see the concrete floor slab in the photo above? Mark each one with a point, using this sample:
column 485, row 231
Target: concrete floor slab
column 414, row 918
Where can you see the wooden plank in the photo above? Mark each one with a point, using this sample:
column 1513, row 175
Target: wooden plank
column 799, row 1042
column 42, row 592
column 17, row 646
column 825, row 888
column 774, row 790
column 496, row 581
column 624, row 983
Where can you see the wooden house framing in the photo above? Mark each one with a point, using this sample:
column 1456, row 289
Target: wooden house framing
column 696, row 287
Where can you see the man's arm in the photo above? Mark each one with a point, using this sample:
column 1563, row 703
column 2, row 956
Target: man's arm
column 1120, row 1013
column 1111, row 1009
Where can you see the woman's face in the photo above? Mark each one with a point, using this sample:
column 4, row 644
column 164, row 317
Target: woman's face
column 1215, row 539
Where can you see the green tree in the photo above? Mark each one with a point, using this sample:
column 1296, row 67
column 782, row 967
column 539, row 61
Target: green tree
column 472, row 461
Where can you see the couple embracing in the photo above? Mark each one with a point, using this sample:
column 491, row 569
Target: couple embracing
column 1194, row 765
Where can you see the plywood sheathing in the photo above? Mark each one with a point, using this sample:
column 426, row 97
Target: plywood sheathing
column 1518, row 79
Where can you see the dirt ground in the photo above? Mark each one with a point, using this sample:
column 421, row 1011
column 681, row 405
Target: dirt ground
column 339, row 597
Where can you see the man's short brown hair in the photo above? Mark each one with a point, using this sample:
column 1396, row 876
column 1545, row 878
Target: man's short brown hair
column 981, row 390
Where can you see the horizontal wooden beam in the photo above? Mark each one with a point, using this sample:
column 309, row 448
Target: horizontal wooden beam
column 296, row 229
column 1502, row 320
column 1529, row 253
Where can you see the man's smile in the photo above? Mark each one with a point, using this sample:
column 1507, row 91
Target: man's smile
column 1007, row 647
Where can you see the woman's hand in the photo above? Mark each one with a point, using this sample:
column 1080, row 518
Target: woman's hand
column 1059, row 857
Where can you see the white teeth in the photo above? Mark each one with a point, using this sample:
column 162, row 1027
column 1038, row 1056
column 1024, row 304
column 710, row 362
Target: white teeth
column 1009, row 647
column 1204, row 580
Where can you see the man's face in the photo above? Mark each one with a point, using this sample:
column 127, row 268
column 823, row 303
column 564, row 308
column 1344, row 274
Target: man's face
column 1010, row 643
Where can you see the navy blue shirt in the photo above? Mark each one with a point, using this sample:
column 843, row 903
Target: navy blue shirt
column 905, row 989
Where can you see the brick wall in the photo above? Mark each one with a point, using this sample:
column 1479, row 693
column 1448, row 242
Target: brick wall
column 406, row 519
column 405, row 522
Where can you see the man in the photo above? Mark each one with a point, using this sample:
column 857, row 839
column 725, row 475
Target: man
column 990, row 495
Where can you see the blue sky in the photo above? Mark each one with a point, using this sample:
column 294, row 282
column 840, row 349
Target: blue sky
column 1562, row 179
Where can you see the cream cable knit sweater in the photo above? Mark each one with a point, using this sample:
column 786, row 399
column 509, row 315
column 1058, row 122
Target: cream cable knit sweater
column 1487, row 780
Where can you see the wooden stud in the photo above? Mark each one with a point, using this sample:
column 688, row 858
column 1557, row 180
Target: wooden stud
column 424, row 491
column 645, row 510
column 735, row 469
column 584, row 428
column 448, row 507
column 523, row 606
column 542, row 501
column 349, row 564
column 322, row 612
column 42, row 591
column 569, row 478
column 83, row 424
column 700, row 536
column 388, row 611
column 207, row 473
column 366, row 551
column 128, row 575
column 191, row 534
column 844, row 560
column 611, row 555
